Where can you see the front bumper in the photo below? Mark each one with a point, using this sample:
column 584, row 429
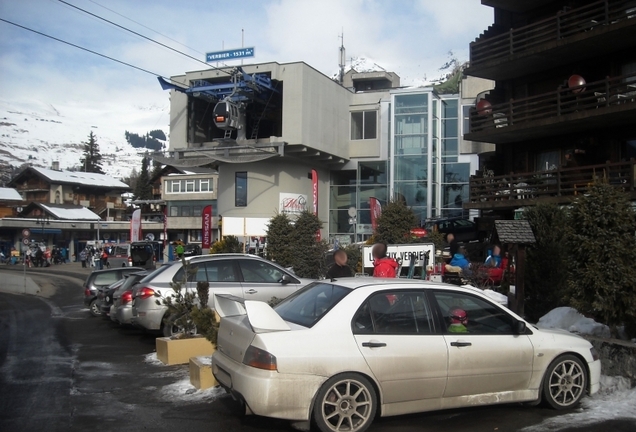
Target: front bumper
column 267, row 393
column 595, row 376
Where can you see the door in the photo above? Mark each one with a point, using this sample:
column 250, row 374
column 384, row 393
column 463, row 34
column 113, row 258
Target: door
column 396, row 335
column 221, row 274
column 262, row 281
column 484, row 353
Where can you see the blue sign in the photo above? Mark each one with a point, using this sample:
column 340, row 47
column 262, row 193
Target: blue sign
column 233, row 54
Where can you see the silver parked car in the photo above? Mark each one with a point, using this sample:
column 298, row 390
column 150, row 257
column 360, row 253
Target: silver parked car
column 121, row 302
column 240, row 275
column 338, row 353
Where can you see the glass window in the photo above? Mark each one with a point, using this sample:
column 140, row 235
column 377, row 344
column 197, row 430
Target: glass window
column 394, row 312
column 196, row 210
column 206, row 185
column 185, row 210
column 103, row 279
column 240, row 189
column 176, row 186
column 449, row 147
column 417, row 103
column 481, row 317
column 221, row 271
column 466, row 118
column 307, row 306
column 364, row 125
column 450, row 108
column 456, row 173
column 189, row 185
column 197, row 185
column 372, row 172
column 258, row 271
column 174, row 211
column 411, row 168
column 449, row 128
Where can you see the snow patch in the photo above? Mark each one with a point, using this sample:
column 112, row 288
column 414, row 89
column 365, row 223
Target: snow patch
column 184, row 391
column 152, row 359
column 206, row 360
column 615, row 400
column 570, row 319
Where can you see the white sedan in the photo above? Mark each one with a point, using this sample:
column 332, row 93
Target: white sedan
column 339, row 352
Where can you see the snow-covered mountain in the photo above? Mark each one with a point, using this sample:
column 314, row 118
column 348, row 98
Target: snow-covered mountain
column 40, row 134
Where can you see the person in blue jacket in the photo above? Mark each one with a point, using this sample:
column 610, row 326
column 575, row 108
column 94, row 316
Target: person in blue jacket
column 460, row 260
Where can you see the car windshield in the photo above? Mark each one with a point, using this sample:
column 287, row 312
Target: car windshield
column 307, row 306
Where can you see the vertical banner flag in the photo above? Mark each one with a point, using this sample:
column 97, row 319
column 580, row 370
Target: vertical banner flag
column 376, row 211
column 206, row 227
column 135, row 226
column 314, row 187
column 165, row 226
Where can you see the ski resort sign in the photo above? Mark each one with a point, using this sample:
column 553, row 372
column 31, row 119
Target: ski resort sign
column 406, row 253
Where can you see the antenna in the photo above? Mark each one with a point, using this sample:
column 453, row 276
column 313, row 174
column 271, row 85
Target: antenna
column 342, row 57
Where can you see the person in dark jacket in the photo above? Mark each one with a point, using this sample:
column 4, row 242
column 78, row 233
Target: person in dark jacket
column 339, row 269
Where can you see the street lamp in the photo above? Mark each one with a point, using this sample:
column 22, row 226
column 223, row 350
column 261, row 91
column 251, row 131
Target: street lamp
column 43, row 220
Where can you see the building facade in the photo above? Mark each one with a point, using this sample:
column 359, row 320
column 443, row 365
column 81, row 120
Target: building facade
column 562, row 110
column 365, row 138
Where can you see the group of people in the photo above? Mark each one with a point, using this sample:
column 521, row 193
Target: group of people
column 383, row 266
column 494, row 265
column 91, row 256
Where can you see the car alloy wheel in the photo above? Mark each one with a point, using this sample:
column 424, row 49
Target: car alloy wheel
column 565, row 382
column 94, row 308
column 346, row 402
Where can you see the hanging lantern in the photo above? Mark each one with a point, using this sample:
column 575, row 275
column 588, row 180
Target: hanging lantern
column 575, row 82
column 484, row 107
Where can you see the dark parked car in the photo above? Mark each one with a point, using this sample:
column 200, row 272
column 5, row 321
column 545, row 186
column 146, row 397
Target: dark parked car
column 463, row 229
column 101, row 279
column 191, row 250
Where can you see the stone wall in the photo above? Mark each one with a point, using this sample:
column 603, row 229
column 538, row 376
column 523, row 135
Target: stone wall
column 617, row 357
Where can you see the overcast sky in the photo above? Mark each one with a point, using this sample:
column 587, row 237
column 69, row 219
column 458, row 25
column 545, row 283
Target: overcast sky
column 409, row 37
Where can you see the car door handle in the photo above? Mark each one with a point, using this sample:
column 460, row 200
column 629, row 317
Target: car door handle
column 251, row 291
column 373, row 344
column 461, row 344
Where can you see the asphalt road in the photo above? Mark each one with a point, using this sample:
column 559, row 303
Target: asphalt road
column 63, row 370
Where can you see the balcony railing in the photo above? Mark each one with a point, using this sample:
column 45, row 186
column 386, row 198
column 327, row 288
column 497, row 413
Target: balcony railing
column 558, row 27
column 562, row 182
column 564, row 101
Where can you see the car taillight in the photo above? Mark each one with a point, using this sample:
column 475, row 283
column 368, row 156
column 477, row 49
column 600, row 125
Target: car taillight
column 145, row 292
column 130, row 260
column 87, row 292
column 259, row 358
column 126, row 297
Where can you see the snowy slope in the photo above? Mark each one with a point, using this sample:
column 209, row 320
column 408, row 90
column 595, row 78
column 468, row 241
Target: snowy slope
column 39, row 134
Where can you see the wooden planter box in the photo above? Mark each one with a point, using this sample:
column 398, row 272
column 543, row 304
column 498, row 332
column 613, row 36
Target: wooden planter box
column 179, row 351
column 201, row 373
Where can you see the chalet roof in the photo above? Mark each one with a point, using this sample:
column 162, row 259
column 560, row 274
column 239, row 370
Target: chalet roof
column 514, row 231
column 76, row 178
column 9, row 194
column 63, row 211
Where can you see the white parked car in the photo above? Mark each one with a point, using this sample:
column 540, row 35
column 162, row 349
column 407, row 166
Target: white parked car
column 339, row 352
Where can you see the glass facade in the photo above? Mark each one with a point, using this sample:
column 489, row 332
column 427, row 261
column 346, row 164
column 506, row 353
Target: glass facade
column 453, row 189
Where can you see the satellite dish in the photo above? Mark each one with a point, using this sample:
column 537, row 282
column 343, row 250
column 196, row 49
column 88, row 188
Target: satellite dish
column 351, row 211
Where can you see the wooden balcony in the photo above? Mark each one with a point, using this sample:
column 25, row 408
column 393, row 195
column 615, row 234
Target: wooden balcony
column 585, row 32
column 605, row 103
column 556, row 186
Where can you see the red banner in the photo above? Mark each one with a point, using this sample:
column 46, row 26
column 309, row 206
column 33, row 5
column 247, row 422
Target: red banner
column 206, row 227
column 314, row 189
column 135, row 226
column 376, row 211
column 165, row 226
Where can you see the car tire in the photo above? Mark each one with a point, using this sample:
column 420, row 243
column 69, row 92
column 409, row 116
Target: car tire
column 94, row 308
column 169, row 328
column 345, row 402
column 565, row 382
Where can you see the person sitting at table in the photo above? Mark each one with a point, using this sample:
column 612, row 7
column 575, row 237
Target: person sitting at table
column 460, row 260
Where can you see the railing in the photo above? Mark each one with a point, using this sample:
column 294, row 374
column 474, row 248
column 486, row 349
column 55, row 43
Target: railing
column 563, row 101
column 560, row 26
column 560, row 182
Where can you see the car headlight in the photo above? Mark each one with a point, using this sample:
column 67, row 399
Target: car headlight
column 594, row 353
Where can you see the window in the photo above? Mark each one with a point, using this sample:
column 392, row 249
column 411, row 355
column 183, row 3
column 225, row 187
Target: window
column 188, row 186
column 240, row 189
column 212, row 271
column 364, row 125
column 482, row 317
column 185, row 210
column 205, row 185
column 196, row 210
column 258, row 271
column 174, row 211
column 394, row 312
column 308, row 305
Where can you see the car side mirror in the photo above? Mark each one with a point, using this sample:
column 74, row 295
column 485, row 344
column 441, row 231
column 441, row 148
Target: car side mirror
column 285, row 280
column 520, row 327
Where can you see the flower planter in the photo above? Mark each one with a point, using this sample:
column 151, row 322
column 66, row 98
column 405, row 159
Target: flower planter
column 178, row 351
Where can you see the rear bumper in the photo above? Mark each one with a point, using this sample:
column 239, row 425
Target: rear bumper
column 123, row 314
column 146, row 314
column 267, row 393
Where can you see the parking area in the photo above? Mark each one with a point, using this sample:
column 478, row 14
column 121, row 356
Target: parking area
column 66, row 370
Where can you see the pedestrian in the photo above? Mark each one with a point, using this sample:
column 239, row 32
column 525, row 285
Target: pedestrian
column 104, row 259
column 383, row 266
column 97, row 259
column 180, row 249
column 63, row 254
column 339, row 269
column 82, row 257
column 460, row 260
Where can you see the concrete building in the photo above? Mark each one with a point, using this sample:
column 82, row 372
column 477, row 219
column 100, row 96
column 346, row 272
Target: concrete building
column 365, row 138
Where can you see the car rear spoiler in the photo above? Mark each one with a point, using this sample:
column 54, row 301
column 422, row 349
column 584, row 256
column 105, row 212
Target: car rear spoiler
column 261, row 316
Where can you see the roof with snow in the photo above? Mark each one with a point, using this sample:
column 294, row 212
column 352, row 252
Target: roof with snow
column 9, row 194
column 514, row 232
column 77, row 177
column 65, row 212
